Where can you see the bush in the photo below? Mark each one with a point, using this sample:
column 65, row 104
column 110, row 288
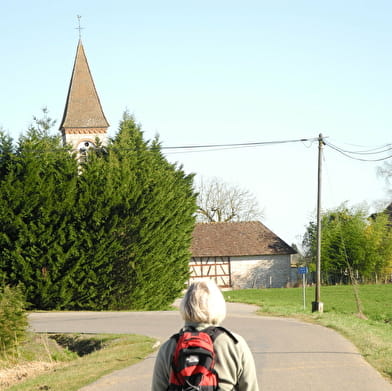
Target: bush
column 13, row 318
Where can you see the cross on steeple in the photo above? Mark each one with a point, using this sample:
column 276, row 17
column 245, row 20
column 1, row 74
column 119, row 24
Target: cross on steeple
column 79, row 27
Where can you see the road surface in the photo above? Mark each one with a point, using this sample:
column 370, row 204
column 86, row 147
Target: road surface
column 290, row 355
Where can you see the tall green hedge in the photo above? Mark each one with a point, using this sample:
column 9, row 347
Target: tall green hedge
column 112, row 232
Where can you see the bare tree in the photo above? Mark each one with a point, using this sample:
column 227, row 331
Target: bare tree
column 219, row 201
column 385, row 171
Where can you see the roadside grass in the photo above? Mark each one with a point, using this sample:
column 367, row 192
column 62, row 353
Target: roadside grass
column 67, row 362
column 371, row 335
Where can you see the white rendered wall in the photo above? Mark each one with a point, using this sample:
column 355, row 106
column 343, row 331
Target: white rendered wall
column 264, row 271
column 75, row 139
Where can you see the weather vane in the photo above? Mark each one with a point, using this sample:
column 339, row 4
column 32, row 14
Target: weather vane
column 79, row 27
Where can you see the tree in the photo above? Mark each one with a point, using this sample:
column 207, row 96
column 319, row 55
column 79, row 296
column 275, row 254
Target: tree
column 36, row 202
column 386, row 171
column 379, row 235
column 111, row 231
column 218, row 201
column 6, row 152
column 148, row 204
column 352, row 245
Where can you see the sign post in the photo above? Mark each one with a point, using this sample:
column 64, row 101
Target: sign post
column 303, row 271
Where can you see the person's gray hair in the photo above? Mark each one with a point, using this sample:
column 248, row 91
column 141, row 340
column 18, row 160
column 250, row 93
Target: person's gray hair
column 203, row 303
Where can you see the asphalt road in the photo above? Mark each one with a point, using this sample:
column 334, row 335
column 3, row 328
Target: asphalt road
column 289, row 355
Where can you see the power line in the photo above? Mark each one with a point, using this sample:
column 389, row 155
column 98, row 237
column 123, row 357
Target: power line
column 197, row 148
column 185, row 149
column 375, row 151
column 349, row 153
column 254, row 144
column 181, row 149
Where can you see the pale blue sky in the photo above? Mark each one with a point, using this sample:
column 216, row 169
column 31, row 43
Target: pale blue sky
column 202, row 72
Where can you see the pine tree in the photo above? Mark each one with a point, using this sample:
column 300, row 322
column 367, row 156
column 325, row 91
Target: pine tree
column 37, row 196
column 6, row 153
column 156, row 220
column 110, row 232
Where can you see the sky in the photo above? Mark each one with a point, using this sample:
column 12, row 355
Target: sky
column 223, row 72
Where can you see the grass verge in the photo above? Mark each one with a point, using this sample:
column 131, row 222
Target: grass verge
column 371, row 335
column 71, row 361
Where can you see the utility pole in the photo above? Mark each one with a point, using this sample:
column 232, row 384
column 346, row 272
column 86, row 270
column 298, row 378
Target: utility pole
column 318, row 306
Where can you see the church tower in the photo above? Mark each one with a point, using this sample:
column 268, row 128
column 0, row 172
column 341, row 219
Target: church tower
column 83, row 120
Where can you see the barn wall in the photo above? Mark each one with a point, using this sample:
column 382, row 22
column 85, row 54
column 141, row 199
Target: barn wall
column 265, row 271
column 215, row 268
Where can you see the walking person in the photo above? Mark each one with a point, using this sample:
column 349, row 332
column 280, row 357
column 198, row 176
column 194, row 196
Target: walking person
column 203, row 308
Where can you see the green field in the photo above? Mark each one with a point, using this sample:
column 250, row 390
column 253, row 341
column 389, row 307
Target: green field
column 371, row 333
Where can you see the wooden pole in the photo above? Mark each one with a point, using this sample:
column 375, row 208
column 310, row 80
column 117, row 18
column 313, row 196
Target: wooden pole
column 317, row 305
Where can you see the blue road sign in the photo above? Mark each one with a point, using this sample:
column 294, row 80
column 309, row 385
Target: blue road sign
column 302, row 270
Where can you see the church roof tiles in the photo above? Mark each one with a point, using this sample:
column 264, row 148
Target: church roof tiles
column 83, row 108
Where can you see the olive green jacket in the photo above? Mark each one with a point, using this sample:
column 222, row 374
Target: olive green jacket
column 234, row 363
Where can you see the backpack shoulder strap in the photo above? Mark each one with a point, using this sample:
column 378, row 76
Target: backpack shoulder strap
column 175, row 336
column 182, row 331
column 215, row 331
column 212, row 331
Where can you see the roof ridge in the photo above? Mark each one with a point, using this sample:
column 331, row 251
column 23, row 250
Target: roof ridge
column 237, row 238
column 231, row 222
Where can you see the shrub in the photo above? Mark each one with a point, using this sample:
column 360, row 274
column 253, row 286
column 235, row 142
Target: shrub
column 13, row 318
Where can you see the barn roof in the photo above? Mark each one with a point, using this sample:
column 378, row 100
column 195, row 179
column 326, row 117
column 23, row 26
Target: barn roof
column 83, row 108
column 236, row 239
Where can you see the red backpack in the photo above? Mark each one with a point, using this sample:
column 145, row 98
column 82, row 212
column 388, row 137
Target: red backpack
column 194, row 360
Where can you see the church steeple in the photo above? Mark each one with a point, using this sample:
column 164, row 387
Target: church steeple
column 83, row 120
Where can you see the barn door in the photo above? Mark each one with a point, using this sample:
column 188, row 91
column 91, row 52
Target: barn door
column 215, row 268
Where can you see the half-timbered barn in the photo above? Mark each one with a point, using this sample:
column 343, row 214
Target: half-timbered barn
column 240, row 255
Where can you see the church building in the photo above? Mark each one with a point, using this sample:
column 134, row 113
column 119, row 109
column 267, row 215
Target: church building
column 83, row 121
column 235, row 255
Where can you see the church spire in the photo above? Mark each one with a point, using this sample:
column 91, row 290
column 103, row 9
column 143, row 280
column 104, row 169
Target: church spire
column 83, row 120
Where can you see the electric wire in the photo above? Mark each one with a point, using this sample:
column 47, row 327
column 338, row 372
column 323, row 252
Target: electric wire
column 200, row 147
column 259, row 143
column 375, row 151
column 378, row 153
column 348, row 153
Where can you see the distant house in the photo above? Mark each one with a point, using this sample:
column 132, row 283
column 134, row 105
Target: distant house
column 240, row 255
